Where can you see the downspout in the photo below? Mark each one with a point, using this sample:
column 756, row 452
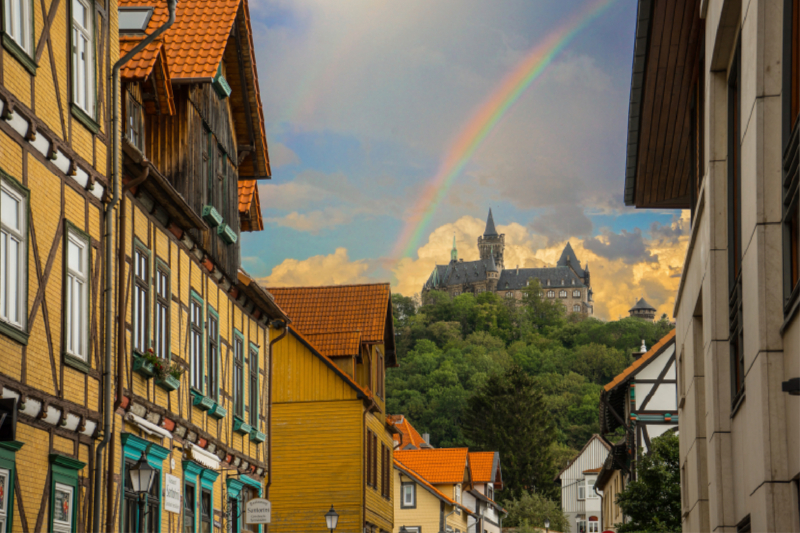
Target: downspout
column 109, row 262
column 277, row 323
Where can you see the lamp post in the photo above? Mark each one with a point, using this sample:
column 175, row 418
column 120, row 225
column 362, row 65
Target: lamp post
column 142, row 476
column 547, row 525
column 332, row 519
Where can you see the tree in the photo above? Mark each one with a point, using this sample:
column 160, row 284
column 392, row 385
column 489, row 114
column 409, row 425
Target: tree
column 653, row 502
column 509, row 415
column 530, row 511
column 403, row 308
column 542, row 312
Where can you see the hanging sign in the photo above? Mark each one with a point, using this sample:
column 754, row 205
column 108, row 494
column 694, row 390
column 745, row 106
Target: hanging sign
column 172, row 494
column 259, row 511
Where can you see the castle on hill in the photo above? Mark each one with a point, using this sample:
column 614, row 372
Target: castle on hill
column 566, row 282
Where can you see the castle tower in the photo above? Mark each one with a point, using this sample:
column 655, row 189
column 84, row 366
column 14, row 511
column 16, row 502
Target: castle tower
column 492, row 272
column 454, row 252
column 492, row 243
column 642, row 309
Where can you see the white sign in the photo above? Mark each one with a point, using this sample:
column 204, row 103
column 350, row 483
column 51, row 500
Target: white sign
column 259, row 511
column 172, row 493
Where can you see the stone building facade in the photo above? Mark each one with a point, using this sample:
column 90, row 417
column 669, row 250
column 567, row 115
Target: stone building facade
column 567, row 282
column 736, row 169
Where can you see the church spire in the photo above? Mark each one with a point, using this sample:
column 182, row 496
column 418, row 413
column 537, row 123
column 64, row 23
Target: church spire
column 454, row 252
column 490, row 231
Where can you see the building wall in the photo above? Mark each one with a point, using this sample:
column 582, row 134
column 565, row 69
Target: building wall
column 737, row 461
column 592, row 457
column 61, row 410
column 425, row 515
column 612, row 514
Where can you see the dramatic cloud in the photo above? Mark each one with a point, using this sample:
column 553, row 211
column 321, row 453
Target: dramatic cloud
column 627, row 246
column 333, row 269
column 672, row 231
column 561, row 222
column 315, row 221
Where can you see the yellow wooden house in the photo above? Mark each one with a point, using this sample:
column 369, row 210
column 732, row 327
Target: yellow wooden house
column 332, row 442
column 429, row 488
column 193, row 367
column 55, row 60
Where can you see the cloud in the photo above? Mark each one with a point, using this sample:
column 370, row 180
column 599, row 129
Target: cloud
column 315, row 221
column 561, row 222
column 627, row 246
column 281, row 155
column 332, row 269
column 672, row 231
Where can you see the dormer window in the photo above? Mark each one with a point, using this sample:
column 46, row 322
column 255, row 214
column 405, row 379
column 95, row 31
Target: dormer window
column 134, row 19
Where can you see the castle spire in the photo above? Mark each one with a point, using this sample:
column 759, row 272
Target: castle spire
column 492, row 266
column 490, row 231
column 454, row 252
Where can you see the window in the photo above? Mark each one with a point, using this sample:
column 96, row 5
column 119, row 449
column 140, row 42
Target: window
column 83, row 55
column 19, row 23
column 63, row 508
column 5, row 477
column 581, row 526
column 135, row 127
column 581, row 490
column 238, row 374
column 457, row 497
column 509, row 294
column 233, row 515
column 735, row 303
column 141, row 297
column 188, row 508
column 64, row 493
column 13, row 255
column 212, row 330
column 590, row 493
column 254, row 385
column 196, row 342
column 380, row 377
column 562, row 294
column 384, row 471
column 490, row 492
column 551, row 294
column 77, row 294
column 409, row 496
column 161, row 329
column 594, row 526
column 791, row 169
column 248, row 493
column 576, row 308
column 375, row 460
column 206, row 510
column 576, row 294
column 369, row 457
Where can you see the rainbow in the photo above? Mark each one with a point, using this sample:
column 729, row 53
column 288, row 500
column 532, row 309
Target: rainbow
column 487, row 117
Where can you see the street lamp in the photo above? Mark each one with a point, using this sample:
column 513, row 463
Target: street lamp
column 547, row 525
column 332, row 519
column 142, row 476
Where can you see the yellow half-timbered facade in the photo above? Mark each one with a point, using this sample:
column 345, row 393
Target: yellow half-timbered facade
column 55, row 58
column 332, row 441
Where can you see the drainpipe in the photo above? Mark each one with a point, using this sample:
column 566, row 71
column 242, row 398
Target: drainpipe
column 280, row 324
column 109, row 262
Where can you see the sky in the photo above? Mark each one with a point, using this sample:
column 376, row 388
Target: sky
column 394, row 126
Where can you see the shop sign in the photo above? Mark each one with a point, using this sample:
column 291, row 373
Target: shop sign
column 172, row 493
column 259, row 511
column 8, row 419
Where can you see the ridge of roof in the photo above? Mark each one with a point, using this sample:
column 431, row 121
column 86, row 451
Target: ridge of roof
column 588, row 442
column 332, row 286
column 642, row 304
column 657, row 349
column 428, row 485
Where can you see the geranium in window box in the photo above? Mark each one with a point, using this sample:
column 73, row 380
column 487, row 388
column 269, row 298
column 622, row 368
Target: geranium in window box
column 240, row 426
column 217, row 411
column 257, row 436
column 203, row 402
column 144, row 364
column 168, row 375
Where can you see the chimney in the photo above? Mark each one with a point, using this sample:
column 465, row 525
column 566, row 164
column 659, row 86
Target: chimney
column 426, row 437
column 641, row 352
column 517, row 270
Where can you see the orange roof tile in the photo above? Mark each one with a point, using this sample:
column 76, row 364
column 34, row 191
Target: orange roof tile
column 656, row 349
column 250, row 206
column 140, row 65
column 437, row 465
column 427, row 484
column 330, row 309
column 592, row 471
column 337, row 343
column 408, row 434
column 482, row 464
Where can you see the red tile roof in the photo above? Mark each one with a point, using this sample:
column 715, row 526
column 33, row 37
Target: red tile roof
column 656, row 349
column 437, row 465
column 140, row 65
column 592, row 471
column 408, row 434
column 250, row 206
column 337, row 343
column 481, row 464
column 424, row 482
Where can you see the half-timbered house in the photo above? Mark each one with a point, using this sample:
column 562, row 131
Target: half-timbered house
column 55, row 59
column 192, row 388
column 332, row 440
column 580, row 502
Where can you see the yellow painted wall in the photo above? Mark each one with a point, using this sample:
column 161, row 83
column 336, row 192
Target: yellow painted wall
column 612, row 514
column 380, row 510
column 425, row 515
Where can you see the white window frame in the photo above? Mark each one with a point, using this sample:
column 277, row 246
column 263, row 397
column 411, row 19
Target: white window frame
column 141, row 298
column 83, row 71
column 4, row 499
column 562, row 294
column 18, row 23
column 60, row 526
column 412, row 491
column 576, row 293
column 590, row 493
column 19, row 284
column 457, row 497
column 576, row 308
column 77, row 308
column 551, row 294
column 581, row 490
column 593, row 526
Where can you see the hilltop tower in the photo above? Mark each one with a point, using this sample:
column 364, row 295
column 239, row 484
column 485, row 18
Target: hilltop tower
column 644, row 310
column 492, row 243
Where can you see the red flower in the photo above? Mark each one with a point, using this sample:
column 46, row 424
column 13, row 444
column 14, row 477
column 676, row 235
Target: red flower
column 65, row 506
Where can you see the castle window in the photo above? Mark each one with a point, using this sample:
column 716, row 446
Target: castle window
column 576, row 294
column 509, row 294
column 573, row 282
column 562, row 294
column 576, row 308
column 551, row 294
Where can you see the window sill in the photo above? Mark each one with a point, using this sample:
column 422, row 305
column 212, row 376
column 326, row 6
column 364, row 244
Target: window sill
column 77, row 363
column 84, row 119
column 16, row 334
column 19, row 54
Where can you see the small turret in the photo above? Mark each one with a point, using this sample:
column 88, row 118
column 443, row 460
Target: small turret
column 492, row 266
column 454, row 252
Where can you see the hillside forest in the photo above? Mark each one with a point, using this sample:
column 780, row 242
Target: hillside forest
column 453, row 353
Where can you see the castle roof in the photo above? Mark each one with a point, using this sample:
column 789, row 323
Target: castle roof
column 490, row 231
column 642, row 305
column 568, row 258
column 492, row 267
column 555, row 277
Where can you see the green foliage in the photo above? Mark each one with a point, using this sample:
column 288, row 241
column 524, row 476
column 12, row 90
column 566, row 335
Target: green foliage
column 508, row 415
column 542, row 312
column 530, row 510
column 653, row 502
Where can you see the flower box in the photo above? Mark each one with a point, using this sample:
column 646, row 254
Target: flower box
column 240, row 426
column 257, row 436
column 211, row 216
column 217, row 411
column 226, row 233
column 169, row 383
column 142, row 366
column 202, row 402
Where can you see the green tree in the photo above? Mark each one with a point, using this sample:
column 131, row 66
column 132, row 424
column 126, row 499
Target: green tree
column 509, row 415
column 403, row 308
column 653, row 502
column 530, row 510
column 542, row 312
